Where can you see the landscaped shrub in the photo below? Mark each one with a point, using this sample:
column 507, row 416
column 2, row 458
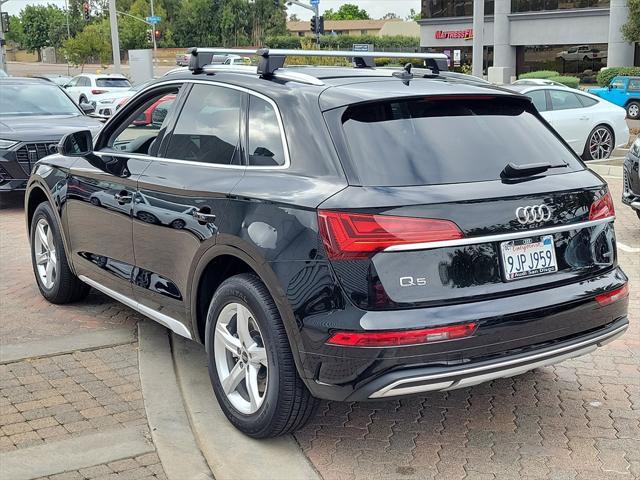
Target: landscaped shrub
column 396, row 43
column 540, row 74
column 605, row 76
column 566, row 80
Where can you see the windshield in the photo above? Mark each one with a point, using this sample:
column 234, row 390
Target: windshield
column 437, row 140
column 36, row 99
column 112, row 82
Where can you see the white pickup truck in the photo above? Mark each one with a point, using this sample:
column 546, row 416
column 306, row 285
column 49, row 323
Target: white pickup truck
column 581, row 52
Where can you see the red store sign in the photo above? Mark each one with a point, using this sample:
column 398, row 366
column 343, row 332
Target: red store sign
column 466, row 34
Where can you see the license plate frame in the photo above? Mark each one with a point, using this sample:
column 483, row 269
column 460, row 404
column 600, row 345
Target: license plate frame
column 541, row 265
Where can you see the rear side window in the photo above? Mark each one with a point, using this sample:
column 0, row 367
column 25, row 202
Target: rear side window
column 587, row 101
column 634, row 84
column 427, row 141
column 208, row 128
column 266, row 147
column 561, row 100
column 112, row 82
column 539, row 99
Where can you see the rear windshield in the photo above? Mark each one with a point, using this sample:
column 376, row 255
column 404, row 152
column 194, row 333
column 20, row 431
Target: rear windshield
column 427, row 141
column 112, row 82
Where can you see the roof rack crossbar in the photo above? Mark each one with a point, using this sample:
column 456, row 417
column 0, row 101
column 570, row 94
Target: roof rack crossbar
column 273, row 59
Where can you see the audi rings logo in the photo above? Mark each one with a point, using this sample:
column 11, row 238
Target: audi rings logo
column 533, row 214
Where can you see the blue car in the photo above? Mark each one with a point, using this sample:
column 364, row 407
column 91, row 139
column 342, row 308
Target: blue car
column 623, row 91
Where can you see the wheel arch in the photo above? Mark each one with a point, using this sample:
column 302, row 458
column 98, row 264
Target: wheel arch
column 223, row 261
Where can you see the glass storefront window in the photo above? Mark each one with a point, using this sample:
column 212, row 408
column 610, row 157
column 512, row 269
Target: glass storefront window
column 452, row 8
column 520, row 6
column 566, row 59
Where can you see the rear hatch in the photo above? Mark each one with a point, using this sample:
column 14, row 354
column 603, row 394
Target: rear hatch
column 433, row 215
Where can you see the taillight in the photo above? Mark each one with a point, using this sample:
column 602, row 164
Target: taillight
column 602, row 208
column 403, row 337
column 359, row 235
column 613, row 296
column 98, row 92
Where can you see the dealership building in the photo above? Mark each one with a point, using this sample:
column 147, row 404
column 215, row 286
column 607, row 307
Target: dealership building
column 570, row 36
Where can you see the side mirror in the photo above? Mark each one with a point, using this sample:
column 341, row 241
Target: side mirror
column 609, row 87
column 76, row 144
column 87, row 108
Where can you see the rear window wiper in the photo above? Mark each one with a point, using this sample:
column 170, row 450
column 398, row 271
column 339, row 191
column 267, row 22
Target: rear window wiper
column 511, row 170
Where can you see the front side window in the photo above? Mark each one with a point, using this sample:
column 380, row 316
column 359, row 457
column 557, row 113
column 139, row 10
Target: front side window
column 561, row 100
column 143, row 126
column 208, row 128
column 266, row 148
column 617, row 83
column 84, row 82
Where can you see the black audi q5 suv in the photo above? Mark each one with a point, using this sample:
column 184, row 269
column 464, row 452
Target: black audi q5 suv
column 332, row 232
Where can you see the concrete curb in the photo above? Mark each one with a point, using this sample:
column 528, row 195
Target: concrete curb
column 176, row 446
column 73, row 454
column 606, row 170
column 230, row 454
column 66, row 344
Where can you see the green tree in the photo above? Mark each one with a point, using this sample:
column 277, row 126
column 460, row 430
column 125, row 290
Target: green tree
column 631, row 29
column 390, row 16
column 41, row 26
column 235, row 23
column 91, row 44
column 15, row 33
column 133, row 32
column 414, row 16
column 268, row 20
column 197, row 23
column 348, row 11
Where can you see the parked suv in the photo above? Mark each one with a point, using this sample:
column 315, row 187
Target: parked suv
column 361, row 233
column 631, row 177
column 624, row 92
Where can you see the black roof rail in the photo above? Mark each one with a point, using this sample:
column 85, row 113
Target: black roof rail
column 273, row 59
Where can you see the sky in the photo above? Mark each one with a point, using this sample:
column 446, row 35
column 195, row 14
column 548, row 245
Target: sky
column 375, row 8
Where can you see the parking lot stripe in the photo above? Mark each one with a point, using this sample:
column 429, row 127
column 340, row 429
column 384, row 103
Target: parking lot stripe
column 73, row 454
column 66, row 344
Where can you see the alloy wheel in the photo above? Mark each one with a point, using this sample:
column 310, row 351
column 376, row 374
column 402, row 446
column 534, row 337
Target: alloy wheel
column 600, row 143
column 634, row 110
column 45, row 254
column 241, row 358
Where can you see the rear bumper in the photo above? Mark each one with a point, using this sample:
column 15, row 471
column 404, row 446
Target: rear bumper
column 420, row 380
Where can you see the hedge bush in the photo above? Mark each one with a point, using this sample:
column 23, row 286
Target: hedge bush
column 605, row 75
column 540, row 74
column 345, row 42
column 572, row 82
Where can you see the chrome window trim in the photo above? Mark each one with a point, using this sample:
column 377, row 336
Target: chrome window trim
column 171, row 323
column 283, row 136
column 497, row 238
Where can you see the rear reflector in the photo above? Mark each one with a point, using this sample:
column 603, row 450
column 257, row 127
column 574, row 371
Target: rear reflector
column 98, row 92
column 401, row 338
column 359, row 235
column 602, row 208
column 613, row 296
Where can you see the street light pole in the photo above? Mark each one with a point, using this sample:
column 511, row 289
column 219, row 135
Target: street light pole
column 478, row 38
column 3, row 55
column 115, row 39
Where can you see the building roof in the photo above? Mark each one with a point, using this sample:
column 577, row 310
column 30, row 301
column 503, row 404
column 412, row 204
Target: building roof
column 339, row 25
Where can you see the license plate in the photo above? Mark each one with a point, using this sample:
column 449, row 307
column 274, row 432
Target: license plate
column 528, row 257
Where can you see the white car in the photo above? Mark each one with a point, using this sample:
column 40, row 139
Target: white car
column 591, row 126
column 88, row 87
column 537, row 81
column 108, row 103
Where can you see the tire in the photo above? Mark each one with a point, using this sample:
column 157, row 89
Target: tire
column 58, row 285
column 147, row 217
column 600, row 143
column 95, row 201
column 178, row 224
column 284, row 404
column 82, row 99
column 633, row 110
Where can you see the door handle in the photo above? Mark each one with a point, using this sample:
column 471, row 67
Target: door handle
column 583, row 118
column 204, row 217
column 123, row 197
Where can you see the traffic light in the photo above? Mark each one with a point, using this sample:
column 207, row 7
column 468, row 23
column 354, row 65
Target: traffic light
column 321, row 26
column 148, row 35
column 158, row 34
column 86, row 11
column 313, row 24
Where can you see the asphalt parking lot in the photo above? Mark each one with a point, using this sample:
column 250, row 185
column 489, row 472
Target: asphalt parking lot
column 576, row 420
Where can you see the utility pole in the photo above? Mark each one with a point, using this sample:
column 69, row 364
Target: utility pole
column 153, row 35
column 115, row 40
column 3, row 54
column 66, row 7
column 478, row 38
